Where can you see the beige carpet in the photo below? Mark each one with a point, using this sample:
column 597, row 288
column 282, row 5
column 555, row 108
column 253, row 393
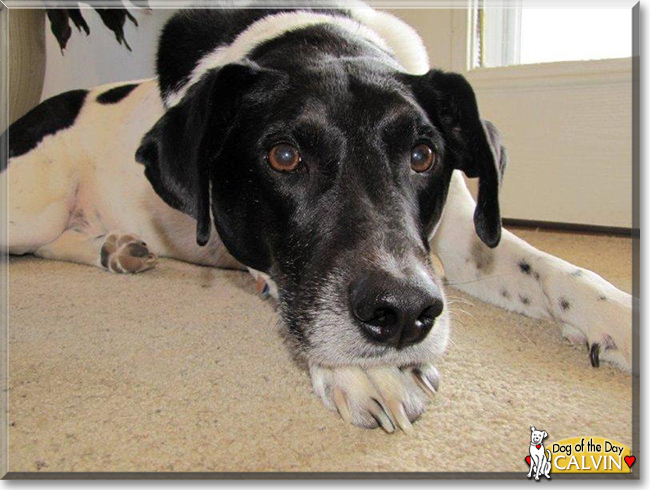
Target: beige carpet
column 182, row 369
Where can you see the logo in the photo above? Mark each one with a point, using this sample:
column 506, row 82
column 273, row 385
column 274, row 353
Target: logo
column 540, row 457
column 576, row 455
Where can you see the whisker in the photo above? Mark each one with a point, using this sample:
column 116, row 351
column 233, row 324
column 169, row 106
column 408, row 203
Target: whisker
column 457, row 299
column 459, row 310
column 478, row 280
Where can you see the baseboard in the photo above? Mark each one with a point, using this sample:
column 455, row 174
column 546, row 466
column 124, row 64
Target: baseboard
column 582, row 228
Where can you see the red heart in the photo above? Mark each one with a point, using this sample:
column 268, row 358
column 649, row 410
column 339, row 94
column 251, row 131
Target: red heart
column 538, row 446
column 630, row 460
column 528, row 460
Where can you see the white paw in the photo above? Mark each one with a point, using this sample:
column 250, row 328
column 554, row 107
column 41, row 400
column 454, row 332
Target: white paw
column 264, row 285
column 389, row 397
column 614, row 335
column 607, row 330
column 126, row 253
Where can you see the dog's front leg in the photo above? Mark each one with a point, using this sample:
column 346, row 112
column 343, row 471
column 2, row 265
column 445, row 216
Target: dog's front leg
column 538, row 466
column 518, row 277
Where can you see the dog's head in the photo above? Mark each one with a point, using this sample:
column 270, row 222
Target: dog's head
column 331, row 178
column 537, row 436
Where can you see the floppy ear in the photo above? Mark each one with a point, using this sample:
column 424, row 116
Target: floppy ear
column 544, row 435
column 470, row 142
column 500, row 153
column 178, row 151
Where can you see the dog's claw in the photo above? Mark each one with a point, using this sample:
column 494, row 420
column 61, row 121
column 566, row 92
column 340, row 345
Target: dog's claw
column 384, row 396
column 262, row 287
column 594, row 355
column 338, row 397
column 435, row 378
column 428, row 384
column 399, row 414
column 379, row 412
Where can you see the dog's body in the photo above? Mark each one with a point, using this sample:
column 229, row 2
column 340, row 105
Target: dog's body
column 77, row 193
column 540, row 457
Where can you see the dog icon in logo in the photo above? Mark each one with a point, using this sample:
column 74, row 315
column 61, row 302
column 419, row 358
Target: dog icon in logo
column 539, row 462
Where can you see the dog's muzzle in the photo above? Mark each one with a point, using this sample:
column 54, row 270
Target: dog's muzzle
column 395, row 312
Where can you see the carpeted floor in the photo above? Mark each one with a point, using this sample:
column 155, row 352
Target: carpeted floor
column 182, row 369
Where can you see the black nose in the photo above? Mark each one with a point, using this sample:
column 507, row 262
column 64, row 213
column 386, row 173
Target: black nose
column 393, row 311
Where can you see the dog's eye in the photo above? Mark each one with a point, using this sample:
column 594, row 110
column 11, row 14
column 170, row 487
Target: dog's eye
column 284, row 158
column 422, row 158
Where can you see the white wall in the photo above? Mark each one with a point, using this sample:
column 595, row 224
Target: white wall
column 434, row 25
column 92, row 60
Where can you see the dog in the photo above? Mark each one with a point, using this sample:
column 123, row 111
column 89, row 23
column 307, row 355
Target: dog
column 539, row 462
column 318, row 150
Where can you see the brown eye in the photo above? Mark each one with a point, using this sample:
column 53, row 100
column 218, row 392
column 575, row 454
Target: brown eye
column 422, row 158
column 284, row 158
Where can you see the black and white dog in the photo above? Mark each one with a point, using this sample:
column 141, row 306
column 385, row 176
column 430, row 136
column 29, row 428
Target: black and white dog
column 317, row 149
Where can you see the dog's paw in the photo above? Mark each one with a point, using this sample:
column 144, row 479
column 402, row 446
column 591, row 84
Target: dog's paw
column 126, row 253
column 264, row 284
column 608, row 334
column 389, row 397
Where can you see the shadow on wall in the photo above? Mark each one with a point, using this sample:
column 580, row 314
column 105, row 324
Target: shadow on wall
column 93, row 60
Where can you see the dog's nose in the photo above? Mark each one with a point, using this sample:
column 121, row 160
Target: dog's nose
column 395, row 312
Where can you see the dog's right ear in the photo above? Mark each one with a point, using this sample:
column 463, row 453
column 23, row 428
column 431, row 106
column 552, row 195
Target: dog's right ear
column 177, row 152
column 532, row 428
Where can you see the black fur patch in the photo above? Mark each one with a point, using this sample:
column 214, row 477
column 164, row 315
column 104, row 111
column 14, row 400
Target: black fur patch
column 193, row 33
column 564, row 304
column 483, row 257
column 47, row 118
column 525, row 267
column 576, row 273
column 116, row 94
column 524, row 299
column 505, row 294
column 602, row 298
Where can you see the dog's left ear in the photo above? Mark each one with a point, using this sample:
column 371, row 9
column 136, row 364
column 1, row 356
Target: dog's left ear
column 180, row 148
column 472, row 145
column 544, row 434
